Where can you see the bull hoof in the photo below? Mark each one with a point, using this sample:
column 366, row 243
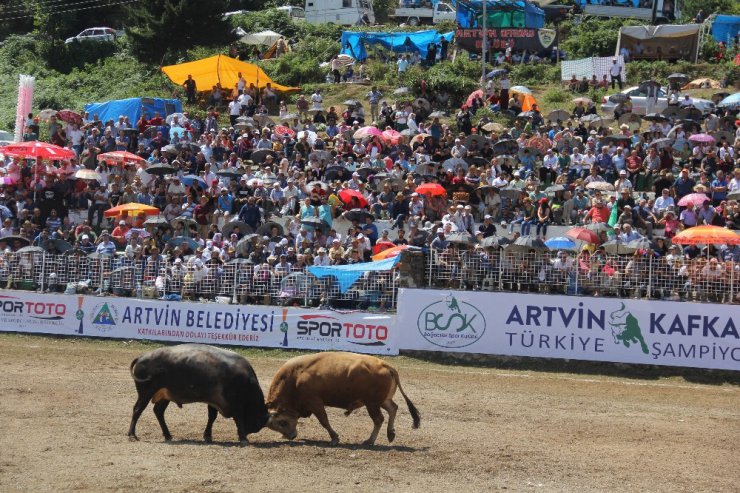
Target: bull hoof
column 133, row 438
column 168, row 438
column 348, row 412
column 207, row 438
column 369, row 442
column 243, row 443
column 334, row 442
column 391, row 436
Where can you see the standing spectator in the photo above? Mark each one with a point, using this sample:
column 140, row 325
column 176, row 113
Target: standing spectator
column 190, row 89
column 615, row 71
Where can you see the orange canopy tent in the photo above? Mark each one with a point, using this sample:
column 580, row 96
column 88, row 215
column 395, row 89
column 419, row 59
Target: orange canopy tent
column 224, row 70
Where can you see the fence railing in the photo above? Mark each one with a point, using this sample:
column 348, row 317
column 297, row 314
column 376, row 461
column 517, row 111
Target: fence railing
column 633, row 276
column 236, row 282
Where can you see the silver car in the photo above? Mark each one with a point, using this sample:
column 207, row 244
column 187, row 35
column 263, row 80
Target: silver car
column 639, row 105
column 95, row 34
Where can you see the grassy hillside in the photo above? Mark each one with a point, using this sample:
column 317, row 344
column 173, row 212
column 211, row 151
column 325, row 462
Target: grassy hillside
column 68, row 76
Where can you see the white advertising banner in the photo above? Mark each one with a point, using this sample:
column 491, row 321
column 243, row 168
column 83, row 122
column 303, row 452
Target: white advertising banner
column 568, row 327
column 240, row 325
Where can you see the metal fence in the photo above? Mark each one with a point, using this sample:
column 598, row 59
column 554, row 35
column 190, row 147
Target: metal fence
column 235, row 282
column 633, row 276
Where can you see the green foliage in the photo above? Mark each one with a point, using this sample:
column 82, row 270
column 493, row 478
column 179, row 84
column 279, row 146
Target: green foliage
column 534, row 74
column 117, row 76
column 689, row 8
column 638, row 71
column 557, row 95
column 160, row 31
column 301, row 65
column 592, row 37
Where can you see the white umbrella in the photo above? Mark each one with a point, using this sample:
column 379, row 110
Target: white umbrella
column 521, row 90
column 311, row 136
column 180, row 117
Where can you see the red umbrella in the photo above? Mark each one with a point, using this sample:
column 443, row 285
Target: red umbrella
column 283, row 131
column 431, row 189
column 120, row 157
column 348, row 194
column 38, row 150
column 583, row 234
column 70, row 116
column 389, row 253
column 382, row 245
column 692, row 199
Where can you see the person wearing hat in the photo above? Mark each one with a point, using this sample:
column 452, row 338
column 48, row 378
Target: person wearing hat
column 439, row 243
column 615, row 71
column 487, row 228
column 106, row 246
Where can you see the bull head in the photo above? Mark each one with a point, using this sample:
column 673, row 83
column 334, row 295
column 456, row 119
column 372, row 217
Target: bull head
column 284, row 422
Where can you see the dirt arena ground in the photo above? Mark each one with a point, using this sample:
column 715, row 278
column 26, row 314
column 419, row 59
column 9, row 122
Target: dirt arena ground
column 65, row 406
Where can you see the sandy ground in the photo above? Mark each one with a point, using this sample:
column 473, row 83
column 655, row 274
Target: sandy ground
column 65, row 407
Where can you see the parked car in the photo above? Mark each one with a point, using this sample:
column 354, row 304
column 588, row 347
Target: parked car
column 95, row 34
column 639, row 105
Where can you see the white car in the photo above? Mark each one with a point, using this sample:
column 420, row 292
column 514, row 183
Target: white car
column 95, row 34
column 638, row 102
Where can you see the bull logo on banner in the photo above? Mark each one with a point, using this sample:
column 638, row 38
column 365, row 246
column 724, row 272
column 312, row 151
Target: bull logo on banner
column 451, row 323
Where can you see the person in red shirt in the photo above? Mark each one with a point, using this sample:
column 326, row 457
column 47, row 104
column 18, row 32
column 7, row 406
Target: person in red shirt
column 599, row 213
column 201, row 214
column 119, row 232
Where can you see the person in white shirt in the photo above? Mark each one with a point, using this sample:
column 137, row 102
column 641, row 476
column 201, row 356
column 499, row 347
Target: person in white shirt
column 411, row 124
column 663, row 203
column 615, row 71
column 316, row 99
column 402, row 64
column 735, row 182
column 321, row 259
column 686, row 101
column 235, row 109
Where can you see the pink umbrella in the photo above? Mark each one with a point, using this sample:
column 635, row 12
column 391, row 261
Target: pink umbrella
column 704, row 138
column 367, row 132
column 692, row 199
column 391, row 136
column 475, row 94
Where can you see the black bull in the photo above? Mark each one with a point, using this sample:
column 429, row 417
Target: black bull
column 198, row 373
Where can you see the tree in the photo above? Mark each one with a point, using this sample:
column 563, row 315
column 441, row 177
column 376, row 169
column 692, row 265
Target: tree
column 161, row 30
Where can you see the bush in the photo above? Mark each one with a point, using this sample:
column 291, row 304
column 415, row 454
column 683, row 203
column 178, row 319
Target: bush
column 592, row 37
column 534, row 74
column 558, row 95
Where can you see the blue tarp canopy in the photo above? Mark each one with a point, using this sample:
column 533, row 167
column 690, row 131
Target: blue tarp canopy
column 500, row 14
column 725, row 27
column 347, row 274
column 111, row 110
column 353, row 43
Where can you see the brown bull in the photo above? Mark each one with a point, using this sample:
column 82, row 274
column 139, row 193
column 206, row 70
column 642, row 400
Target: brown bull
column 305, row 385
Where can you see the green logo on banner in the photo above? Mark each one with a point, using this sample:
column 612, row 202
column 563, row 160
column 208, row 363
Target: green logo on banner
column 451, row 323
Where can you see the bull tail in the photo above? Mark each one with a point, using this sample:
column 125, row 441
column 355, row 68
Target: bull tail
column 415, row 415
column 133, row 374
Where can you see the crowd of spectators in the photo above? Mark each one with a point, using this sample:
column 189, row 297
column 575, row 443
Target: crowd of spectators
column 269, row 191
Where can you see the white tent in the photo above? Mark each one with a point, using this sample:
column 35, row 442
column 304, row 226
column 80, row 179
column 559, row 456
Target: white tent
column 267, row 38
column 666, row 42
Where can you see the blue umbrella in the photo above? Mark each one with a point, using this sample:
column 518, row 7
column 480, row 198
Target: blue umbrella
column 189, row 180
column 179, row 240
column 496, row 73
column 560, row 243
column 731, row 101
